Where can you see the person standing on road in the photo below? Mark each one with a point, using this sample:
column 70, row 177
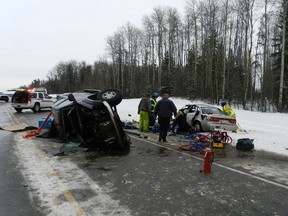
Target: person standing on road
column 164, row 109
column 153, row 105
column 144, row 110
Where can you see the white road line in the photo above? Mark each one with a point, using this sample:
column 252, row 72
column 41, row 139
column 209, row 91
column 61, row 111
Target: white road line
column 219, row 165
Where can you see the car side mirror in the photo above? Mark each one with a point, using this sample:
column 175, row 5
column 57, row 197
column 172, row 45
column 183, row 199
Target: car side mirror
column 71, row 97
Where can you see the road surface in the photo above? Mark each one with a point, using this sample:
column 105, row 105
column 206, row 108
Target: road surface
column 152, row 179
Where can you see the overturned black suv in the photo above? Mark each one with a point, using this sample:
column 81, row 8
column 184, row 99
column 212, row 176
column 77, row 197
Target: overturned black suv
column 90, row 118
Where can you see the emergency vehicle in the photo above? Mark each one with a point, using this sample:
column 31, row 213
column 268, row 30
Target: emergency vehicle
column 34, row 99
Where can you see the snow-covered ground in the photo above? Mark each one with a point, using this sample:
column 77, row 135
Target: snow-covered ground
column 269, row 130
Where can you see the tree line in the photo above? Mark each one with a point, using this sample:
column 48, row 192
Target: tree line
column 226, row 49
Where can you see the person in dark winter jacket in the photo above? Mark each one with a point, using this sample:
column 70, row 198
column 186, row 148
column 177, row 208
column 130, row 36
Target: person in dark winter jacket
column 144, row 110
column 180, row 120
column 164, row 109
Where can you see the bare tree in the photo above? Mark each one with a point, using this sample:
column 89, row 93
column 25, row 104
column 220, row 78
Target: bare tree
column 209, row 54
column 173, row 26
column 133, row 35
column 281, row 86
column 116, row 48
column 158, row 17
column 149, row 43
column 225, row 20
column 191, row 49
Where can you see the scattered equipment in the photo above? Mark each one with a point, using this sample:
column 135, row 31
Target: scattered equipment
column 43, row 124
column 208, row 159
column 219, row 139
column 47, row 124
column 245, row 144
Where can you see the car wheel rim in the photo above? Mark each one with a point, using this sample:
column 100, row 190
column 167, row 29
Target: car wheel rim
column 109, row 95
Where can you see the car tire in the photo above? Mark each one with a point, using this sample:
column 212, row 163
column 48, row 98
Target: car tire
column 36, row 107
column 19, row 110
column 197, row 126
column 111, row 96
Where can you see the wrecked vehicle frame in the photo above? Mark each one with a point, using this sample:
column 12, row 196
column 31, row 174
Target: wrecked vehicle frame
column 90, row 118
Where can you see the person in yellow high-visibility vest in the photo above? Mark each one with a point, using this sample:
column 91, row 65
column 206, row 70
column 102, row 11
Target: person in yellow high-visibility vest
column 153, row 105
column 226, row 108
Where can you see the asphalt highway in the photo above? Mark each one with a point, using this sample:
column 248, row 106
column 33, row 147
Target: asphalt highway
column 152, row 179
column 14, row 191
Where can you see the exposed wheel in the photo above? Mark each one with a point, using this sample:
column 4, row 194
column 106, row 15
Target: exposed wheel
column 18, row 110
column 36, row 107
column 111, row 96
column 197, row 126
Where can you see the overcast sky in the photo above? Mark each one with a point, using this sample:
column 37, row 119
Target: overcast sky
column 35, row 35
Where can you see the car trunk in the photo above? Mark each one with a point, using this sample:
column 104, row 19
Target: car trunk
column 21, row 97
column 222, row 122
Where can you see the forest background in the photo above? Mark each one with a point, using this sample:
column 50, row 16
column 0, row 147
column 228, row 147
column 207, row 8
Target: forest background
column 224, row 49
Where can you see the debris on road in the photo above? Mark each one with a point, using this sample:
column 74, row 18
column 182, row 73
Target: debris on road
column 42, row 125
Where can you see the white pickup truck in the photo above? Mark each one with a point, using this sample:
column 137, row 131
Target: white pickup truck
column 23, row 99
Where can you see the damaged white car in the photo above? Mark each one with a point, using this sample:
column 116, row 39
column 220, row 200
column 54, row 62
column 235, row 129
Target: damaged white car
column 205, row 117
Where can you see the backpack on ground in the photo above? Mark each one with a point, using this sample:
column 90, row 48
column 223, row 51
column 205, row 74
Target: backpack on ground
column 245, row 144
